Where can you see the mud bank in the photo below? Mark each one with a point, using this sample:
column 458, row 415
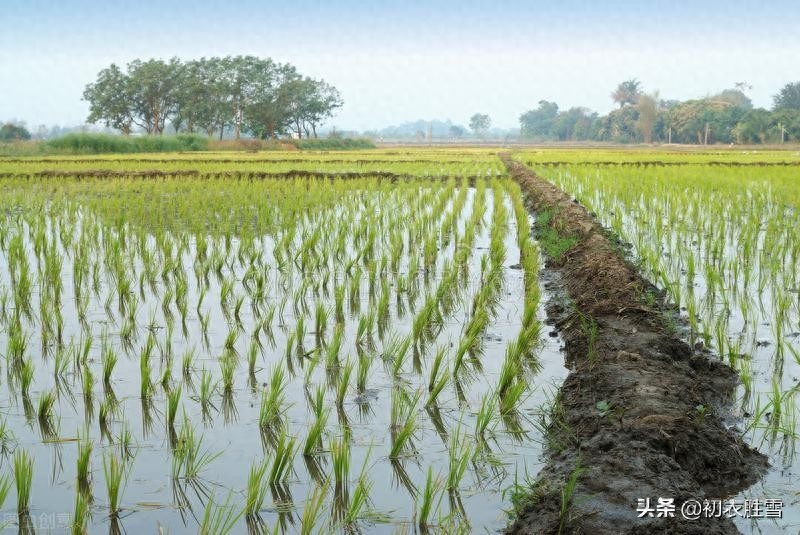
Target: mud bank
column 639, row 414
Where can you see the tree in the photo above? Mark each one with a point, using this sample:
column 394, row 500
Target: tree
column 455, row 131
column 627, row 92
column 232, row 94
column 480, row 123
column 788, row 98
column 13, row 132
column 538, row 123
column 619, row 126
column 575, row 124
column 109, row 99
column 734, row 97
column 153, row 92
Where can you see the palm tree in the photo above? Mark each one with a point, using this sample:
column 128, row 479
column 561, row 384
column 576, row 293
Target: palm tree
column 627, row 92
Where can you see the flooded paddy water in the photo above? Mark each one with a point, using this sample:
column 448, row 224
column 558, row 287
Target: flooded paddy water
column 246, row 354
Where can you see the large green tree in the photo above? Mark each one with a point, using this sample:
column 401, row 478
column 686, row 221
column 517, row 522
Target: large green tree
column 788, row 98
column 538, row 123
column 235, row 94
column 110, row 100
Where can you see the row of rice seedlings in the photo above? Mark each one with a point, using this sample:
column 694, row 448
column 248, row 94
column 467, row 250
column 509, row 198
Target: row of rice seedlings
column 717, row 248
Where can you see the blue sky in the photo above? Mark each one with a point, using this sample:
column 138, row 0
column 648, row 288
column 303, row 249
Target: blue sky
column 397, row 61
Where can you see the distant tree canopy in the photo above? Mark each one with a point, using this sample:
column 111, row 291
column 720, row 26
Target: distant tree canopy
column 788, row 98
column 480, row 123
column 727, row 117
column 13, row 132
column 211, row 95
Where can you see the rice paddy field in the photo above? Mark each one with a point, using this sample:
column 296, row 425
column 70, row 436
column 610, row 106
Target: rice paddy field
column 719, row 232
column 350, row 341
column 248, row 343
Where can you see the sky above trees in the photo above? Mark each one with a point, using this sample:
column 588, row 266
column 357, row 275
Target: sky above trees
column 398, row 61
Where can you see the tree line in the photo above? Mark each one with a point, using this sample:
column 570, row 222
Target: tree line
column 727, row 117
column 239, row 95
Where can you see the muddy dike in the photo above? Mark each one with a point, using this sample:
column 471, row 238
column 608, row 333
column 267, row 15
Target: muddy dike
column 640, row 415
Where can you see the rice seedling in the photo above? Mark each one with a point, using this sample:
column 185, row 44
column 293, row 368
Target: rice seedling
column 285, row 450
column 314, row 505
column 23, row 479
column 256, row 489
column 437, row 379
column 338, row 296
column 188, row 457
column 460, row 453
column 340, row 459
column 81, row 514
column 219, row 519
column 333, row 349
column 207, row 388
column 320, row 319
column 429, row 500
column 485, row 416
column 26, row 372
column 313, row 443
column 230, row 340
column 187, row 362
column 404, row 423
column 109, row 358
column 358, row 506
column 362, row 372
column 227, row 366
column 344, row 382
column 173, row 401
column 273, row 400
column 84, row 458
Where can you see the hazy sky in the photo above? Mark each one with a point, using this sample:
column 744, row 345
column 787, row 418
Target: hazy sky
column 397, row 61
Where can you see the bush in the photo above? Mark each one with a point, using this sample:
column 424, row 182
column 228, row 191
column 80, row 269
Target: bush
column 108, row 143
column 333, row 144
